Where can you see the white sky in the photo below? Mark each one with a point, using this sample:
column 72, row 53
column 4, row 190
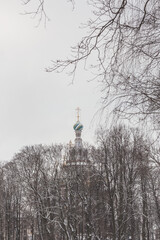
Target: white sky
column 39, row 107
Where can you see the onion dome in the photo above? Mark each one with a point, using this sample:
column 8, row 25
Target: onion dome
column 78, row 126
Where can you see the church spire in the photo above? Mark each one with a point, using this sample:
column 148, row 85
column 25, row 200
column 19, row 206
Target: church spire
column 78, row 113
column 77, row 153
column 78, row 127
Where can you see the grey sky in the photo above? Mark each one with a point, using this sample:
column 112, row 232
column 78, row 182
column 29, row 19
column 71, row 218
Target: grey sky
column 39, row 107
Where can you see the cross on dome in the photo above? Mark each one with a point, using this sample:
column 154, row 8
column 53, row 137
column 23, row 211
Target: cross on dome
column 78, row 126
column 78, row 113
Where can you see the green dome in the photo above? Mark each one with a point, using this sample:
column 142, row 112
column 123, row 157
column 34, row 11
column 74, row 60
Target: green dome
column 78, row 126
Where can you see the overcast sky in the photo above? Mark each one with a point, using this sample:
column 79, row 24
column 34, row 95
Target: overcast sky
column 39, row 107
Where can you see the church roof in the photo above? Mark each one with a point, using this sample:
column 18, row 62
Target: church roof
column 78, row 126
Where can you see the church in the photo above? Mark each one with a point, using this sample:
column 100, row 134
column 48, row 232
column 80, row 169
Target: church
column 77, row 154
column 82, row 194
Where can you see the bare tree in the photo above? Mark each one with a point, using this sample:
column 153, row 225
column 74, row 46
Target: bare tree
column 131, row 195
column 2, row 203
column 37, row 170
column 37, row 11
column 112, row 194
column 11, row 203
column 124, row 42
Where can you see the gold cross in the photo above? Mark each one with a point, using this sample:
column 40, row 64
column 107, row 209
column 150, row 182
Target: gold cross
column 78, row 111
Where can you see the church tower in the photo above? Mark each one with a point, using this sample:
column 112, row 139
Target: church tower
column 78, row 127
column 77, row 154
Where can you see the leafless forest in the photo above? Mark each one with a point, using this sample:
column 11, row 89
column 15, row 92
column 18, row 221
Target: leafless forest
column 114, row 194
